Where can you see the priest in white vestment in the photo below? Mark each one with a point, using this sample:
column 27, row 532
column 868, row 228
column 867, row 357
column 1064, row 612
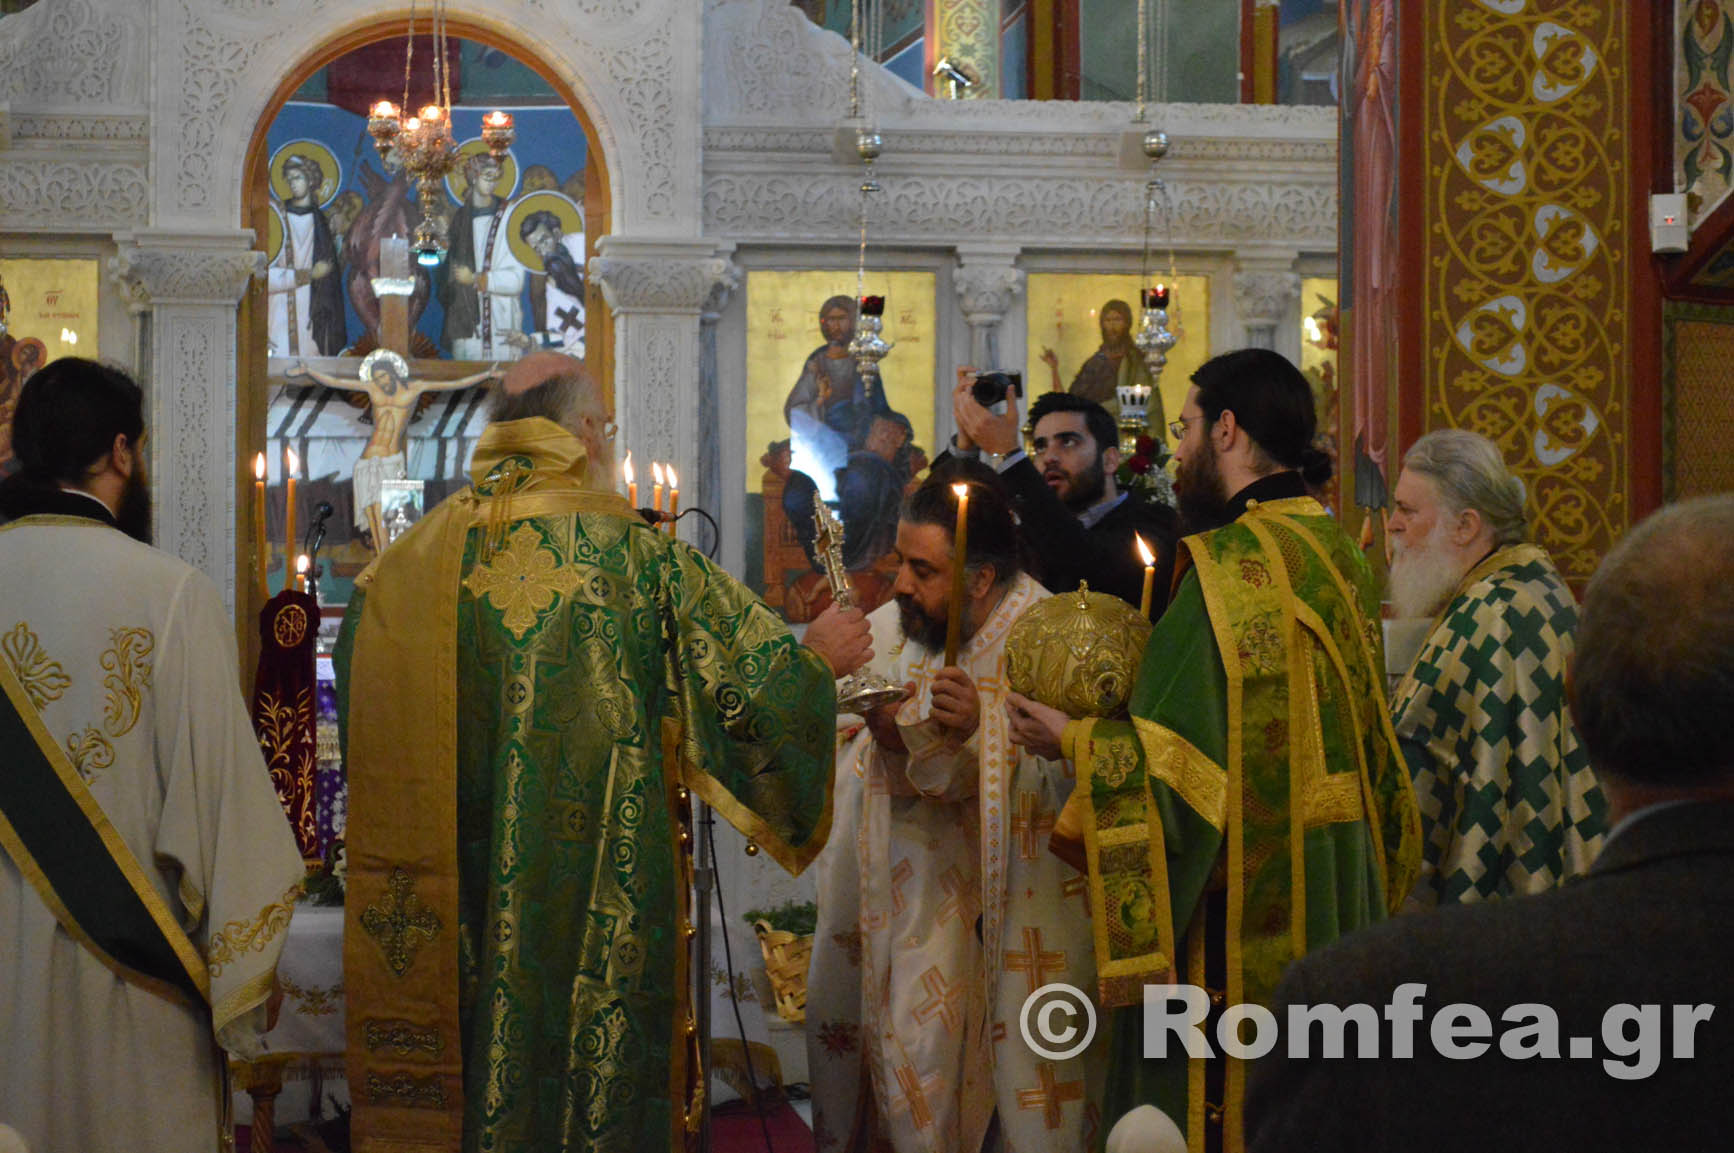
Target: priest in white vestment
column 940, row 908
column 122, row 705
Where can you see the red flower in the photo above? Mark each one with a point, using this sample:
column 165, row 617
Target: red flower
column 1139, row 464
column 1145, row 446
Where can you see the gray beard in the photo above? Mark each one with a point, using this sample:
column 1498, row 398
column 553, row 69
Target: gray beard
column 1422, row 582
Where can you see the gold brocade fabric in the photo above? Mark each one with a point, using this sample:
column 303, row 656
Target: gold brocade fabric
column 596, row 667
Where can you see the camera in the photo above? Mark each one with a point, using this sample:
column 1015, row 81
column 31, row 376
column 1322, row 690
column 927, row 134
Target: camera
column 990, row 388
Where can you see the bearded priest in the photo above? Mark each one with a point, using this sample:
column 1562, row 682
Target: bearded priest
column 1255, row 807
column 940, row 909
column 1509, row 803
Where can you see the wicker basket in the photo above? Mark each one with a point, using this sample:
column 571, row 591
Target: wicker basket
column 786, row 957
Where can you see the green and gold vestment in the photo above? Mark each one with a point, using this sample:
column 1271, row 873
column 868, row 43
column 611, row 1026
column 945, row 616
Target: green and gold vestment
column 1258, row 771
column 537, row 679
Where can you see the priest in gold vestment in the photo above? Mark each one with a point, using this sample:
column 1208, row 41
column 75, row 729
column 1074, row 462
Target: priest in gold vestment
column 538, row 685
column 1255, row 807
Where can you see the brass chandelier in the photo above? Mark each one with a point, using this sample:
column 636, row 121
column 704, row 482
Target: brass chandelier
column 423, row 145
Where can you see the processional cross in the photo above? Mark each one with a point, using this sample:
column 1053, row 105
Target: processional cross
column 392, row 380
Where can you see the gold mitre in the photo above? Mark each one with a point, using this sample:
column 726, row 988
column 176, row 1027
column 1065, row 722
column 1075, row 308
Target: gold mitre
column 1077, row 652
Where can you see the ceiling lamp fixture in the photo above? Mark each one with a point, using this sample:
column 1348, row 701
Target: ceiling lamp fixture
column 423, row 145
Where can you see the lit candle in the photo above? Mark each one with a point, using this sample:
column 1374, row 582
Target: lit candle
column 384, row 110
column 673, row 498
column 959, row 552
column 631, row 484
column 498, row 119
column 260, row 553
column 431, row 113
column 302, row 564
column 1149, row 575
column 656, row 485
column 292, row 463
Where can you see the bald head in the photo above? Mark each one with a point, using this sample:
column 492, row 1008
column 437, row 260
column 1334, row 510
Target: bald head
column 559, row 388
column 1653, row 679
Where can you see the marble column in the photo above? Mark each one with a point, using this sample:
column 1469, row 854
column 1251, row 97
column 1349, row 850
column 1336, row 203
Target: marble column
column 186, row 286
column 1267, row 301
column 657, row 291
column 710, row 386
column 988, row 284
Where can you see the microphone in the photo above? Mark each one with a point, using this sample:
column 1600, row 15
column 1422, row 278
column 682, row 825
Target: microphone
column 321, row 513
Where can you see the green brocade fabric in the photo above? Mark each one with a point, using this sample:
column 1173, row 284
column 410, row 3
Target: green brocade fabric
column 1259, row 760
column 601, row 665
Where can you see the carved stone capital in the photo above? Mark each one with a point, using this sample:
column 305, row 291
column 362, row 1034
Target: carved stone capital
column 165, row 268
column 657, row 279
column 1263, row 297
column 720, row 291
column 987, row 291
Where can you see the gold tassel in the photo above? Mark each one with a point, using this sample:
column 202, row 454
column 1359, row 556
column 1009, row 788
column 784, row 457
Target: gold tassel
column 500, row 508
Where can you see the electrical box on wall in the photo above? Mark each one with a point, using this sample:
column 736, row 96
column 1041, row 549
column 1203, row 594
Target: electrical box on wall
column 1668, row 231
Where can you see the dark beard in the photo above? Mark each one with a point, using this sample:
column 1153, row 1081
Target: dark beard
column 918, row 626
column 1089, row 489
column 134, row 515
column 564, row 271
column 1198, row 488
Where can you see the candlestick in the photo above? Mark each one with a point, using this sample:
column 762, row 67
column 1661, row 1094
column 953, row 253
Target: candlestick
column 291, row 464
column 631, row 483
column 959, row 555
column 673, row 498
column 1149, row 575
column 260, row 548
column 656, row 485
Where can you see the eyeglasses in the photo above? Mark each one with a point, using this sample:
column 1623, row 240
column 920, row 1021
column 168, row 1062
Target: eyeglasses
column 1177, row 428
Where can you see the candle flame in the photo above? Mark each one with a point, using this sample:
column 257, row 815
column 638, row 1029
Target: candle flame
column 259, row 467
column 962, row 491
column 1144, row 551
column 294, row 462
column 302, row 564
column 431, row 113
column 385, row 109
column 656, row 471
column 626, row 469
column 673, row 481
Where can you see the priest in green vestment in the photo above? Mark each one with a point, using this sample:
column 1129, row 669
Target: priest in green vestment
column 538, row 685
column 1254, row 807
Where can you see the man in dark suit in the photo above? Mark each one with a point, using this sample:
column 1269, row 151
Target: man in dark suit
column 1075, row 519
column 1632, row 960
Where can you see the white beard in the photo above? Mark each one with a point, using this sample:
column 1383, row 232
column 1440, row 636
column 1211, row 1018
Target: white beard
column 1423, row 574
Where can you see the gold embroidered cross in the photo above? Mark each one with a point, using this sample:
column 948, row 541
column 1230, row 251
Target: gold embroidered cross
column 942, row 1001
column 404, row 925
column 900, row 873
column 957, row 901
column 1033, row 961
column 522, row 579
column 913, row 1098
column 1031, row 825
column 1051, row 1096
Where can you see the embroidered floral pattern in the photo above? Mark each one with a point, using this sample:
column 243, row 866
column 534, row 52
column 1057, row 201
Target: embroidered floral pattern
column 43, row 679
column 89, row 752
column 128, row 664
column 238, row 938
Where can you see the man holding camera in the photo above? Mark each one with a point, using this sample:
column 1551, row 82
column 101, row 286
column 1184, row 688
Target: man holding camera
column 1076, row 520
